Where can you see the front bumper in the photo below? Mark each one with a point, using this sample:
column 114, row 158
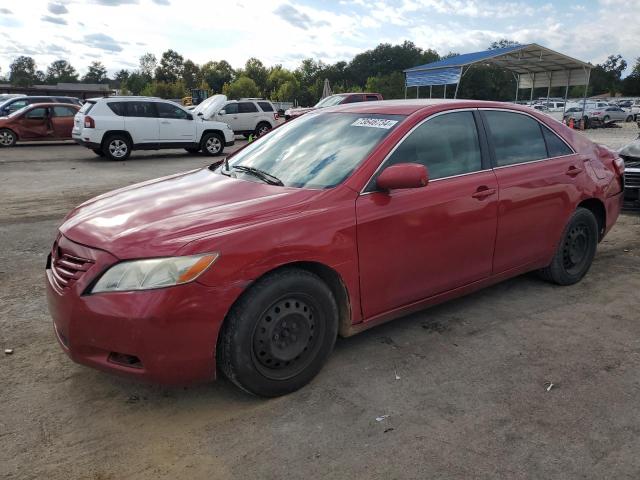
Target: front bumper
column 171, row 332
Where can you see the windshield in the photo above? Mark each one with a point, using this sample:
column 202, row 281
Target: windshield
column 317, row 150
column 329, row 101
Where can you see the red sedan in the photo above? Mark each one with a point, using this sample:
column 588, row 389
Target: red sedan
column 329, row 225
column 38, row 122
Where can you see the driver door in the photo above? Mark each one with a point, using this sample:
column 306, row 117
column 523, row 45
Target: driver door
column 230, row 116
column 416, row 243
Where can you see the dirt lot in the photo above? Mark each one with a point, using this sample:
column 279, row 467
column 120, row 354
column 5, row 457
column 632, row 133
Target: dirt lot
column 470, row 399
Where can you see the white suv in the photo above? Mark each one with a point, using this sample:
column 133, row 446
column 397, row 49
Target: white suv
column 114, row 126
column 247, row 116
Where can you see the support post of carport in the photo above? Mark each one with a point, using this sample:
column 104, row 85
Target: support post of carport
column 405, row 90
column 566, row 93
column 455, row 94
column 445, row 91
column 550, row 77
column 587, row 72
column 517, row 77
column 417, row 91
column 430, row 90
column 533, row 85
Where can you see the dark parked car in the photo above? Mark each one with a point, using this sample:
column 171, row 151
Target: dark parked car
column 16, row 103
column 332, row 101
column 328, row 225
column 42, row 121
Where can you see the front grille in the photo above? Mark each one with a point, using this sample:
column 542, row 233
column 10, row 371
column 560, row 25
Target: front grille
column 632, row 179
column 67, row 268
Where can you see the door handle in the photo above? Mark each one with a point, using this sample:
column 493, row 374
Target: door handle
column 573, row 171
column 165, row 122
column 483, row 192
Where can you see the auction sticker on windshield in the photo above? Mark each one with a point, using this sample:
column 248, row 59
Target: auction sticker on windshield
column 374, row 123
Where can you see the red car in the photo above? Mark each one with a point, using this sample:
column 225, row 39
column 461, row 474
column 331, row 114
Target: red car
column 332, row 101
column 339, row 221
column 38, row 122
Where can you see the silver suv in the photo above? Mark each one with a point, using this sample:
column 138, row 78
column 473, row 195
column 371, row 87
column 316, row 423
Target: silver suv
column 247, row 116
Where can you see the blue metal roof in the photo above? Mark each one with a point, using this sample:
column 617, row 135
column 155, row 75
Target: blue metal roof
column 466, row 59
column 438, row 76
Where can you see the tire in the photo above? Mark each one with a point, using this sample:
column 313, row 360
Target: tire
column 606, row 119
column 262, row 128
column 7, row 138
column 629, row 119
column 192, row 150
column 98, row 152
column 277, row 337
column 212, row 144
column 117, row 147
column 576, row 250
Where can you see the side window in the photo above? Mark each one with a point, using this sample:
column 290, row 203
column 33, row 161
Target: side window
column 231, row 108
column 141, row 109
column 371, row 98
column 166, row 110
column 516, row 138
column 63, row 112
column 354, row 99
column 446, row 144
column 265, row 106
column 37, row 114
column 17, row 105
column 116, row 107
column 555, row 146
column 247, row 107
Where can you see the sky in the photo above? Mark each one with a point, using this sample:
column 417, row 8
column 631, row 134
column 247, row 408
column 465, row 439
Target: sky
column 118, row 32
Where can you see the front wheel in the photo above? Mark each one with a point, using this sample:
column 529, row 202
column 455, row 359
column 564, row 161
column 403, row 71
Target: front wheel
column 279, row 334
column 212, row 144
column 7, row 138
column 262, row 129
column 576, row 250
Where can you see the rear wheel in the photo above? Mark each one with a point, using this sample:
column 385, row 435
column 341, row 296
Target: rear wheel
column 576, row 250
column 117, row 147
column 7, row 138
column 212, row 144
column 279, row 334
column 262, row 128
column 629, row 119
column 606, row 119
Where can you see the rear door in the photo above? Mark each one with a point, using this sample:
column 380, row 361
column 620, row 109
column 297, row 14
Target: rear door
column 248, row 116
column 141, row 121
column 62, row 121
column 537, row 174
column 176, row 125
column 416, row 243
column 35, row 124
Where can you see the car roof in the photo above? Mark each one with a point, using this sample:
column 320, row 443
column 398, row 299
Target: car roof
column 53, row 104
column 407, row 107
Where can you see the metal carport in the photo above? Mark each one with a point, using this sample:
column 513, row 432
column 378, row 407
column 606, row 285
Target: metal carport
column 532, row 65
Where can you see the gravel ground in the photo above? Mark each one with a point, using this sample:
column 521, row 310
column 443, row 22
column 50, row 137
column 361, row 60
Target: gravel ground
column 460, row 390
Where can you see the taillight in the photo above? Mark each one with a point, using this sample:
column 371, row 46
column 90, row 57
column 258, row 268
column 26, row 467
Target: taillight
column 89, row 122
column 276, row 116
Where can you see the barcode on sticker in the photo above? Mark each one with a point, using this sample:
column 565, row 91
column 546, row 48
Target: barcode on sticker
column 374, row 123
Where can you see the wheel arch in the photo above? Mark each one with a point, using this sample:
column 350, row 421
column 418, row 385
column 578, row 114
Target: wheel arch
column 108, row 133
column 598, row 209
column 212, row 130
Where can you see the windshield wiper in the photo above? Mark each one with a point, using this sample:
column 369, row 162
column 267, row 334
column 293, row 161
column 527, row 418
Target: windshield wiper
column 261, row 174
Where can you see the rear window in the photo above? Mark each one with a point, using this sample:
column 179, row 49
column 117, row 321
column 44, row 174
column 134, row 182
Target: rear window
column 266, row 106
column 247, row 107
column 371, row 98
column 117, row 108
column 555, row 145
column 86, row 108
column 516, row 138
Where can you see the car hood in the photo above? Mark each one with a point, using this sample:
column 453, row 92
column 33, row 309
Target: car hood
column 158, row 217
column 210, row 106
column 300, row 110
column 631, row 150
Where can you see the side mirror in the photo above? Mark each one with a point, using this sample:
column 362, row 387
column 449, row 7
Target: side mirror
column 403, row 175
column 200, row 114
column 222, row 112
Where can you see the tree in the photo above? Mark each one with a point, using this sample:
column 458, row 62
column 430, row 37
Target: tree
column 120, row 78
column 216, row 74
column 255, row 70
column 148, row 65
column 190, row 74
column 97, row 73
column 61, row 71
column 170, row 68
column 278, row 76
column 390, row 85
column 241, row 87
column 136, row 83
column 22, row 71
column 504, row 43
column 287, row 91
column 631, row 84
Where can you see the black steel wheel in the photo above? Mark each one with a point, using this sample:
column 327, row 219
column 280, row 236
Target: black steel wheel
column 575, row 251
column 279, row 333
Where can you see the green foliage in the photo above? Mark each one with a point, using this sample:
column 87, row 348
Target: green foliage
column 171, row 67
column 255, row 70
column 390, row 85
column 61, row 71
column 173, row 90
column 191, row 74
column 287, row 91
column 216, row 74
column 241, row 87
column 97, row 73
column 22, row 71
column 136, row 83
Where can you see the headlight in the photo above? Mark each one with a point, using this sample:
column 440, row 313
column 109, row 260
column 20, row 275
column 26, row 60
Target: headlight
column 153, row 273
